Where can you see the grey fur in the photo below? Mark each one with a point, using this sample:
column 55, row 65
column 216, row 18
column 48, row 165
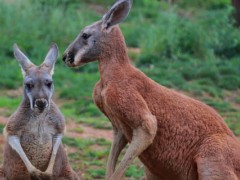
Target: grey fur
column 23, row 60
column 51, row 58
column 33, row 148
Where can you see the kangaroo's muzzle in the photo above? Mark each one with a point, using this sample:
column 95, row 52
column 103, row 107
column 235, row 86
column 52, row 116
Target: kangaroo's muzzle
column 41, row 103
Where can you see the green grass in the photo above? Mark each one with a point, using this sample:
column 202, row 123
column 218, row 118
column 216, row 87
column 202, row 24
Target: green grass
column 1, row 128
column 9, row 105
column 100, row 123
column 92, row 155
column 9, row 102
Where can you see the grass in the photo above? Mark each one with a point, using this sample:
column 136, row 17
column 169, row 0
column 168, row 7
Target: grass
column 9, row 102
column 89, row 158
column 1, row 128
column 100, row 123
column 92, row 153
column 190, row 46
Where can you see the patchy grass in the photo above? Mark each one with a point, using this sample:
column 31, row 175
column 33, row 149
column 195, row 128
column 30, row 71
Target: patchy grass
column 9, row 102
column 100, row 123
column 91, row 156
column 1, row 128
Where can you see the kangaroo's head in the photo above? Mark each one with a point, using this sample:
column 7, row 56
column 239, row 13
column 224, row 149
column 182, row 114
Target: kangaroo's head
column 38, row 83
column 96, row 39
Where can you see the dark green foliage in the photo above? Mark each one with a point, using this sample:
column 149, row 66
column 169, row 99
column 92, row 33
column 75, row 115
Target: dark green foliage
column 230, row 82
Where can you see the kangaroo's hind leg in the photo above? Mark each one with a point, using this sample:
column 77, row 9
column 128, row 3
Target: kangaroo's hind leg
column 214, row 161
column 214, row 168
column 62, row 169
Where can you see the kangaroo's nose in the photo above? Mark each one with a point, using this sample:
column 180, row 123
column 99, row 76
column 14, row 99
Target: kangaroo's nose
column 68, row 57
column 41, row 103
column 64, row 57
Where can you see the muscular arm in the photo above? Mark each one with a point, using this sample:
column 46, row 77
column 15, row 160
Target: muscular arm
column 57, row 140
column 119, row 142
column 14, row 142
column 58, row 122
column 139, row 118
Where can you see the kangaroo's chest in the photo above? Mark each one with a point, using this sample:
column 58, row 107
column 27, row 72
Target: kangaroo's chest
column 37, row 141
column 38, row 129
column 100, row 98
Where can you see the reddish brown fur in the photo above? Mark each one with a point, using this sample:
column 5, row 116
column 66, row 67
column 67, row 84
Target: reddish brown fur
column 192, row 140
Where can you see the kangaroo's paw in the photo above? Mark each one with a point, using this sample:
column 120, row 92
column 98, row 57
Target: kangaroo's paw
column 39, row 175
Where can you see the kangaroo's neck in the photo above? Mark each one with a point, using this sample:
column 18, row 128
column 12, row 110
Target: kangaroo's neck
column 114, row 56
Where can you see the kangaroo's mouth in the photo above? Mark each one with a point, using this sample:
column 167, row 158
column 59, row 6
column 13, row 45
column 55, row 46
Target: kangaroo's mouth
column 68, row 59
column 72, row 60
column 73, row 64
column 41, row 104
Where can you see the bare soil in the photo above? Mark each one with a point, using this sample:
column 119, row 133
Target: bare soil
column 88, row 132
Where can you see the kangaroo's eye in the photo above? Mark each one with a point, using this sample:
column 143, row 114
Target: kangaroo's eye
column 49, row 84
column 85, row 36
column 29, row 85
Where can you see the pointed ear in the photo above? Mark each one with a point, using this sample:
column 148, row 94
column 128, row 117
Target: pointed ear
column 118, row 12
column 51, row 58
column 24, row 62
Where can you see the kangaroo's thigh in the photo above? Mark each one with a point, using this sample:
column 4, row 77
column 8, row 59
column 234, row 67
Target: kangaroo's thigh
column 68, row 174
column 13, row 167
column 62, row 169
column 214, row 168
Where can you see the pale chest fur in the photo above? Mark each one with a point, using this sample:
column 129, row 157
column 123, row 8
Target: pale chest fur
column 36, row 139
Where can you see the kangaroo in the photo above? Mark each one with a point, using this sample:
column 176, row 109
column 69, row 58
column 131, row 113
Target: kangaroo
column 33, row 134
column 175, row 136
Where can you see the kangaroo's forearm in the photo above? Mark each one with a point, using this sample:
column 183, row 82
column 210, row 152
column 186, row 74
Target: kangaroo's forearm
column 14, row 142
column 119, row 142
column 57, row 140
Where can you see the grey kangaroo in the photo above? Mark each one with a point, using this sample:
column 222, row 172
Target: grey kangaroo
column 33, row 134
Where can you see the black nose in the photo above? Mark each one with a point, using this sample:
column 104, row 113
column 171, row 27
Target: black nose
column 69, row 56
column 41, row 103
column 64, row 57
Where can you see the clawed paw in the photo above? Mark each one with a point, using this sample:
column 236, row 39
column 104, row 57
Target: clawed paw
column 39, row 175
column 45, row 176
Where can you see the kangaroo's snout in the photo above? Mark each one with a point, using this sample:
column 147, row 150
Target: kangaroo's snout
column 41, row 103
column 68, row 57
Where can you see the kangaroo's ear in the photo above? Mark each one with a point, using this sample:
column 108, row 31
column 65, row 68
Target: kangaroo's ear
column 23, row 60
column 51, row 58
column 118, row 12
